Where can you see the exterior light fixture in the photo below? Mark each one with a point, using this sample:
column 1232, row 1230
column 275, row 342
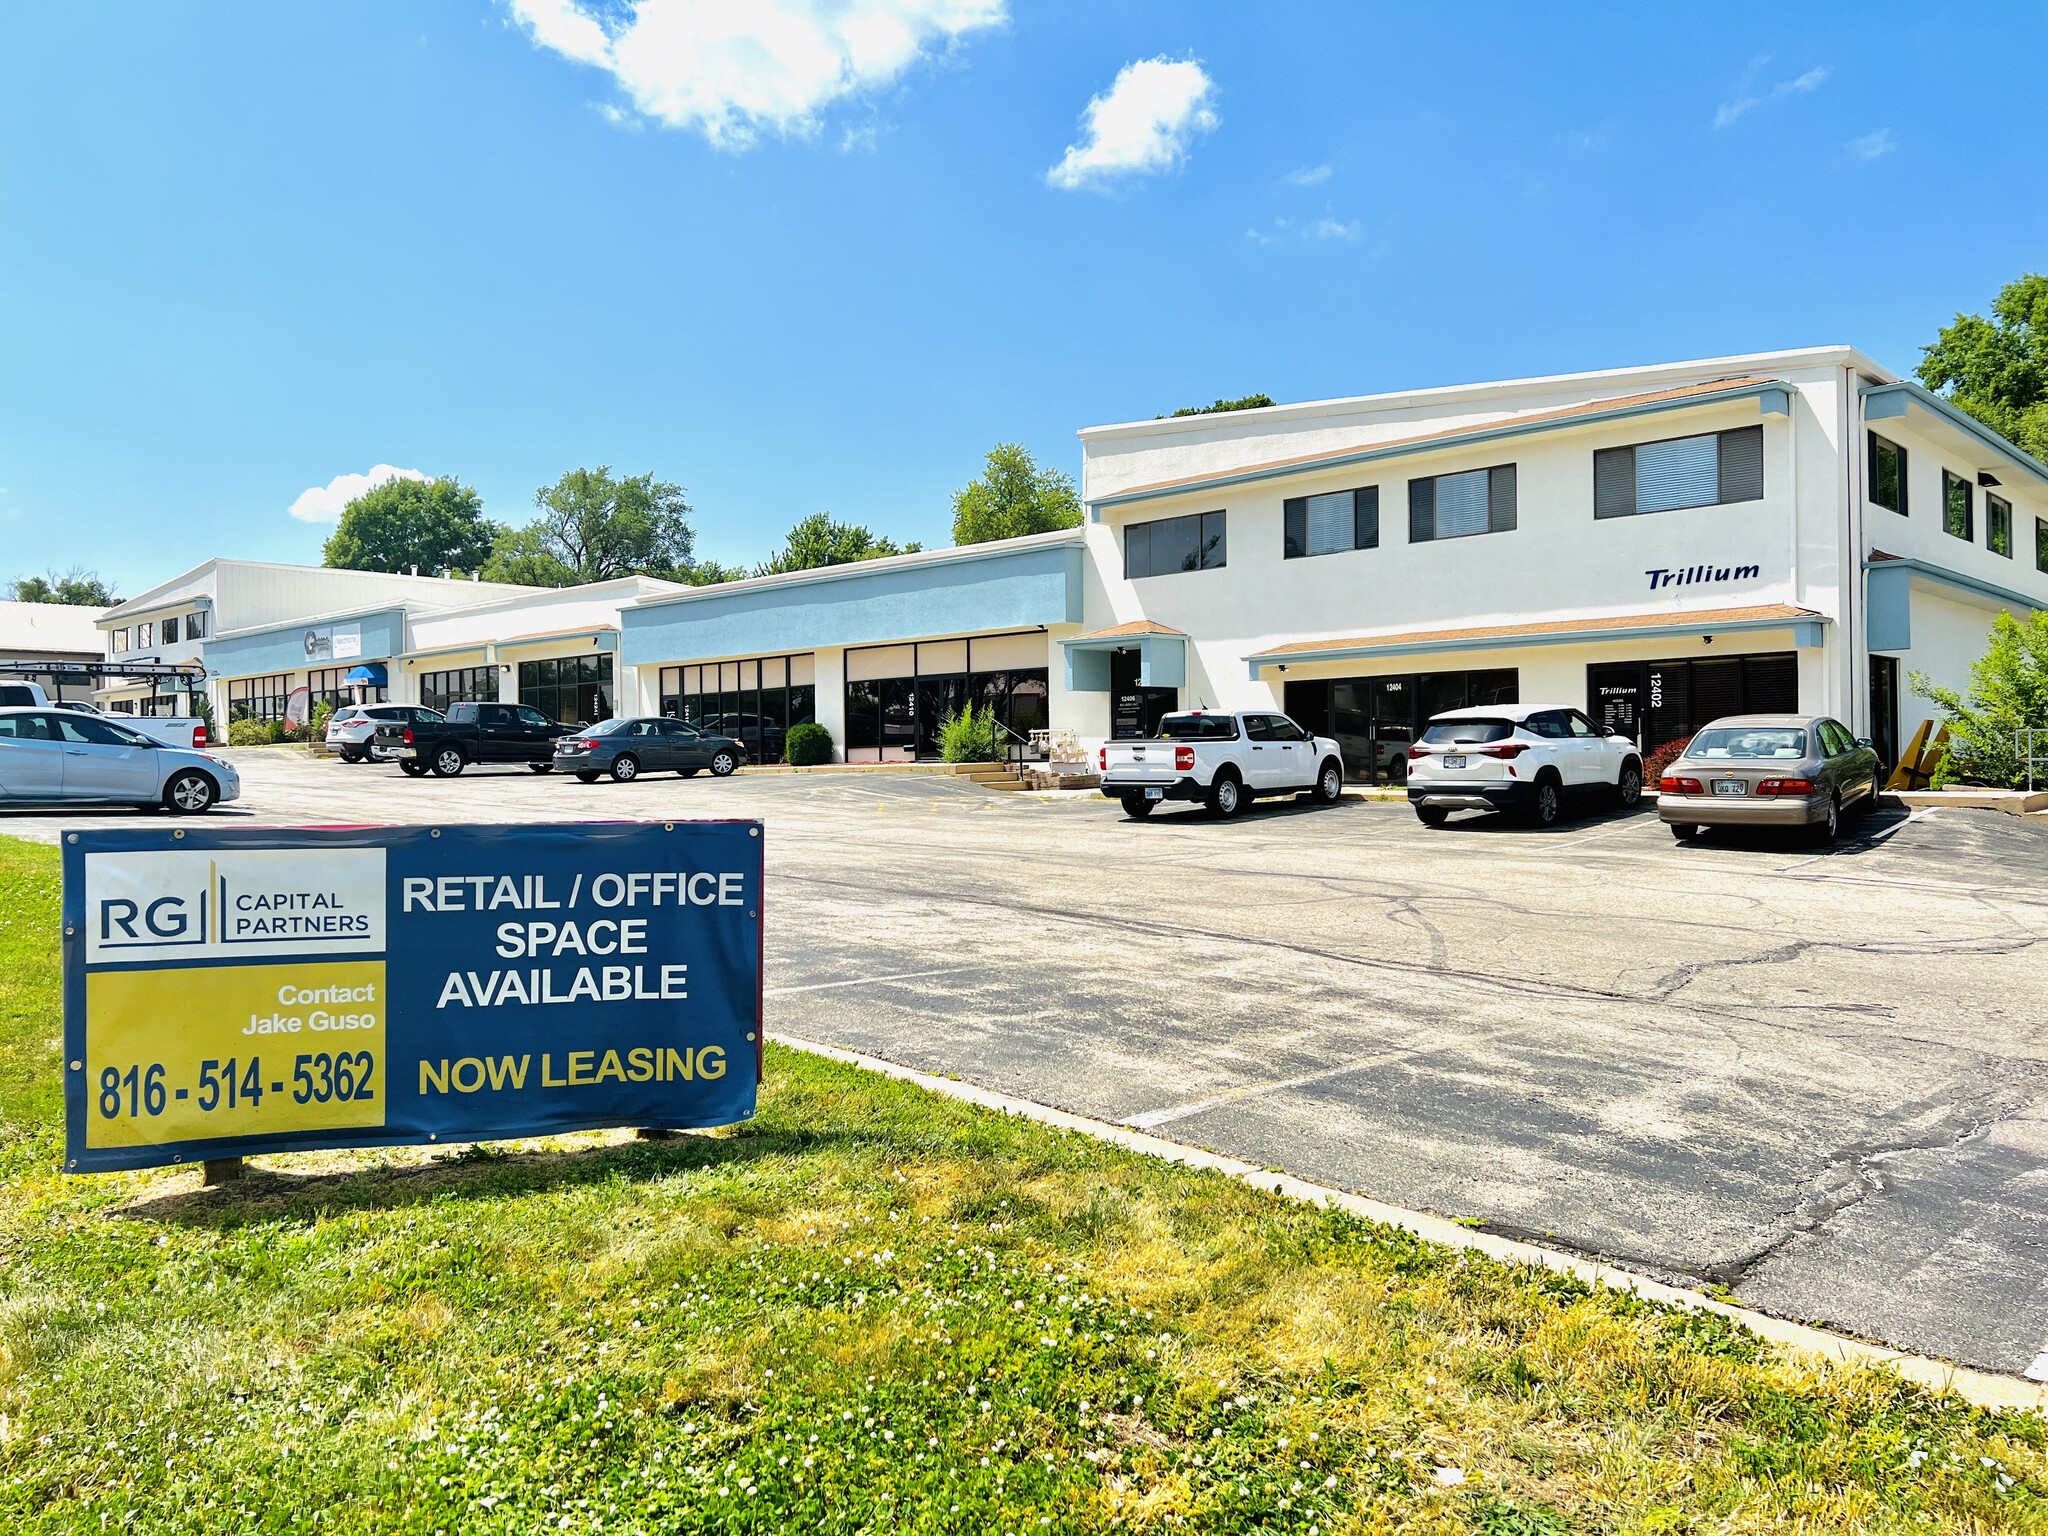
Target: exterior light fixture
column 1985, row 477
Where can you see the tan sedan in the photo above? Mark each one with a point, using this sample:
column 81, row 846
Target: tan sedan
column 1770, row 771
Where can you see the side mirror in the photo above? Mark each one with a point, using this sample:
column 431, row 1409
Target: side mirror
column 1865, row 741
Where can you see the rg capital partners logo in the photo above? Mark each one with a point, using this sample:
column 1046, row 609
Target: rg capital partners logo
column 210, row 904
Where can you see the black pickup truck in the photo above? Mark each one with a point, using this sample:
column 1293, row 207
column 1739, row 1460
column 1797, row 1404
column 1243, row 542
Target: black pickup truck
column 472, row 733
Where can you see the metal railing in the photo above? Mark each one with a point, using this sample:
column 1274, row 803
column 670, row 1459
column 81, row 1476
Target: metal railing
column 2030, row 746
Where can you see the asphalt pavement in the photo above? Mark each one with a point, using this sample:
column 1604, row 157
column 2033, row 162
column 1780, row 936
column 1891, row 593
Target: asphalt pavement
column 1817, row 1078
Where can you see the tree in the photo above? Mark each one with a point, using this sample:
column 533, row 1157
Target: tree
column 820, row 540
column 1997, row 369
column 594, row 527
column 709, row 573
column 434, row 525
column 77, row 585
column 2008, row 693
column 1013, row 496
column 1242, row 403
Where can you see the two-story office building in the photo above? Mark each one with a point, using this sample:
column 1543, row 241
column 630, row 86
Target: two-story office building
column 1658, row 545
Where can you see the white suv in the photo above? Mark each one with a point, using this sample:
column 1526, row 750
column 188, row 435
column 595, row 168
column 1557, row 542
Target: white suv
column 1518, row 757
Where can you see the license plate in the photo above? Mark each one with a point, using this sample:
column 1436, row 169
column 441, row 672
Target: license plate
column 1454, row 762
column 1155, row 794
column 1731, row 786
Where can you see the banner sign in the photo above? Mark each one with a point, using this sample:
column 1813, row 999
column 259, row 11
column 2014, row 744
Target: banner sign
column 281, row 990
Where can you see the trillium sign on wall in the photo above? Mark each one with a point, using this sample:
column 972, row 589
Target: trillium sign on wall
column 1693, row 575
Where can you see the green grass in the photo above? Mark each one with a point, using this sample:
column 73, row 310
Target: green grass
column 871, row 1309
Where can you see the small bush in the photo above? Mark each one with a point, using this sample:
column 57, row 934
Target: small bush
column 971, row 738
column 247, row 733
column 1658, row 761
column 807, row 745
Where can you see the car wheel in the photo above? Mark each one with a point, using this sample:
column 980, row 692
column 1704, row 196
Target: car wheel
column 189, row 793
column 542, row 767
column 1682, row 832
column 1226, row 796
column 1137, row 806
column 686, row 773
column 586, row 777
column 353, row 754
column 723, row 764
column 1547, row 809
column 625, row 768
column 1330, row 784
column 1432, row 815
column 447, row 763
column 1629, row 787
column 412, row 770
column 1829, row 828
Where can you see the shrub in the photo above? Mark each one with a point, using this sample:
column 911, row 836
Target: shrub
column 1656, row 762
column 807, row 745
column 971, row 738
column 247, row 733
column 316, row 728
column 2008, row 693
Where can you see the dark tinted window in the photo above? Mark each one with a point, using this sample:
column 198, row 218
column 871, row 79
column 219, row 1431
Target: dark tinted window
column 1193, row 543
column 1467, row 733
column 533, row 716
column 96, row 732
column 1285, row 729
column 25, row 728
column 462, row 714
column 1958, row 506
column 1259, row 728
column 1887, row 474
column 1198, row 728
column 17, row 694
column 1548, row 723
column 1998, row 525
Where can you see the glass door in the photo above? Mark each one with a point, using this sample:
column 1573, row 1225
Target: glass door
column 1392, row 700
column 1618, row 696
column 938, row 698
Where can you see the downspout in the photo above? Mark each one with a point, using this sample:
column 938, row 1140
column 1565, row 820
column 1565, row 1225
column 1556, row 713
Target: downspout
column 1855, row 638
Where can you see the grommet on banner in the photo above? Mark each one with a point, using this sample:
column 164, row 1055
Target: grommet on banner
column 78, row 1066
column 434, row 832
column 753, row 831
column 71, row 837
column 668, row 826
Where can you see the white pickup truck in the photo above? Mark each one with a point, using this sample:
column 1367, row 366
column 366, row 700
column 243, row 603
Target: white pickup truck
column 1224, row 759
column 187, row 731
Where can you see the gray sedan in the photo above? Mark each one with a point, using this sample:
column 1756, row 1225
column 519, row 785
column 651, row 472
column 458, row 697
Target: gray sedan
column 632, row 745
column 1770, row 771
column 63, row 756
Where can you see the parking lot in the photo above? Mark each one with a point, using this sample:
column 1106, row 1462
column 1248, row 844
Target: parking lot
column 1817, row 1078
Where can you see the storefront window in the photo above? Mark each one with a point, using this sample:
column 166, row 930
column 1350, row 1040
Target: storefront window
column 1374, row 719
column 458, row 685
column 258, row 698
column 576, row 690
column 898, row 696
column 755, row 701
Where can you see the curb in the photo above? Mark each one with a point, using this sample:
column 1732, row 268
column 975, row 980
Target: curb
column 1984, row 1389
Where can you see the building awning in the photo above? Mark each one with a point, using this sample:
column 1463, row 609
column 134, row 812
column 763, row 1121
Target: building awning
column 1162, row 655
column 1804, row 623
column 370, row 673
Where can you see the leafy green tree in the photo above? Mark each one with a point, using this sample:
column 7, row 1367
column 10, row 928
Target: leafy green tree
column 594, row 526
column 709, row 573
column 1242, row 403
column 822, row 540
column 2008, row 693
column 77, row 585
column 1013, row 496
column 435, row 525
column 1997, row 369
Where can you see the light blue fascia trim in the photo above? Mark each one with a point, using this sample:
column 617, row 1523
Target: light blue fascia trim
column 606, row 637
column 1942, row 576
column 1807, row 634
column 1888, row 402
column 1002, row 589
column 282, row 647
column 1162, row 661
column 1493, row 432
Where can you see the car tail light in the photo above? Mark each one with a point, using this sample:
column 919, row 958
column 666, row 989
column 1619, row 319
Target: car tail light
column 588, row 743
column 1673, row 786
column 1785, row 787
column 1183, row 759
column 407, row 736
column 1102, row 759
column 1418, row 752
column 1506, row 749
column 198, row 736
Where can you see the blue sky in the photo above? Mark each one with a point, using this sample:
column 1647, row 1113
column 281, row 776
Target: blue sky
column 248, row 249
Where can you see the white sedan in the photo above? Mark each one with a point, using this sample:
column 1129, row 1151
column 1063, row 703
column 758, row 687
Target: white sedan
column 1530, row 758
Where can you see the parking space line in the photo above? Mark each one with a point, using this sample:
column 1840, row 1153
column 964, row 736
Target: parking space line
column 866, row 981
column 1923, row 814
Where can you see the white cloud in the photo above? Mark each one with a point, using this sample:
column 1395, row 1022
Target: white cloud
column 1141, row 125
column 1748, row 96
column 735, row 69
column 1307, row 176
column 1331, row 229
column 323, row 503
column 1873, row 146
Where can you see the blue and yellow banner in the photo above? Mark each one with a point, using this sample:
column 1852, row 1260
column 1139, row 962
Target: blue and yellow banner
column 282, row 990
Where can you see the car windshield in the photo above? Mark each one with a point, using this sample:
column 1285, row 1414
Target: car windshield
column 1197, row 728
column 1466, row 733
column 606, row 727
column 1786, row 741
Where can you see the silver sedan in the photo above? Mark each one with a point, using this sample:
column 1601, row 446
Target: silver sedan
column 63, row 757
column 1798, row 771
